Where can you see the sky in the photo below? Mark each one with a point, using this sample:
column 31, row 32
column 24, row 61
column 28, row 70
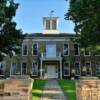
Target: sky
column 30, row 13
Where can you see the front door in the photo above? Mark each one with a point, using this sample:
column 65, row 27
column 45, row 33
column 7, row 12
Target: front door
column 52, row 71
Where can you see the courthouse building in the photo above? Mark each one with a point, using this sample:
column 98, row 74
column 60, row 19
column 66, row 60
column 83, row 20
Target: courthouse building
column 50, row 54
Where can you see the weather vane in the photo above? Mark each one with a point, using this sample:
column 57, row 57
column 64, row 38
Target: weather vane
column 51, row 13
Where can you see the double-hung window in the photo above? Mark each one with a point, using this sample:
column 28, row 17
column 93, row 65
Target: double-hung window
column 76, row 49
column 34, row 68
column 77, row 68
column 1, row 69
column 88, row 68
column 13, row 68
column 35, row 49
column 66, row 51
column 25, row 49
column 98, row 68
column 66, row 69
column 24, row 68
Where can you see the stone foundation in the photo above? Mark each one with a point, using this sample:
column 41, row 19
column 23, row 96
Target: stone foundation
column 88, row 89
column 16, row 89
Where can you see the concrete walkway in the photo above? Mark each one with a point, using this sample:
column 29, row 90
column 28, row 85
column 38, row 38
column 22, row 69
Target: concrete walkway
column 52, row 91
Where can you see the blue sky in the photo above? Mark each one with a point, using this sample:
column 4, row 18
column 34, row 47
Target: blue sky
column 30, row 13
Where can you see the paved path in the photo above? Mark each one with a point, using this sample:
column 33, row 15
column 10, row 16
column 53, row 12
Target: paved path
column 52, row 91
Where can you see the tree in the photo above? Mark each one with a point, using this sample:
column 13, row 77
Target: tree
column 10, row 37
column 86, row 16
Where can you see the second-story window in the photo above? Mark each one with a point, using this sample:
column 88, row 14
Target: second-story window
column 35, row 49
column 65, row 49
column 25, row 49
column 76, row 49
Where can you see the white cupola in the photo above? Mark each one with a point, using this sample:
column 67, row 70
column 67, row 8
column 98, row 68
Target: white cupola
column 50, row 25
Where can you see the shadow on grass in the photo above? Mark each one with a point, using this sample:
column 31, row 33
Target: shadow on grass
column 69, row 88
column 37, row 89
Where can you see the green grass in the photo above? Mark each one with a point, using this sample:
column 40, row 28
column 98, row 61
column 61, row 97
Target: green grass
column 37, row 88
column 69, row 88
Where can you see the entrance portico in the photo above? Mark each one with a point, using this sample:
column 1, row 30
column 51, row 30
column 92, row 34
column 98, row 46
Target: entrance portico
column 52, row 68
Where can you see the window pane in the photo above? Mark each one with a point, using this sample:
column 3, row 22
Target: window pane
column 66, row 68
column 54, row 24
column 35, row 49
column 77, row 68
column 88, row 68
column 24, row 72
column 98, row 68
column 25, row 49
column 65, row 49
column 76, row 49
column 1, row 69
column 34, row 69
column 13, row 69
column 47, row 24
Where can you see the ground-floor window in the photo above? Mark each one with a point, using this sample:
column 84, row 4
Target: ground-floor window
column 88, row 68
column 97, row 68
column 1, row 69
column 77, row 68
column 66, row 69
column 24, row 68
column 13, row 68
column 34, row 68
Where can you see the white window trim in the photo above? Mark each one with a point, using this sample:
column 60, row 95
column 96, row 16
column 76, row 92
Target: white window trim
column 27, row 49
column 96, row 68
column 69, row 68
column 11, row 69
column 79, row 68
column 68, row 49
column 37, row 50
column 32, row 68
column 21, row 68
column 90, row 67
column 78, row 50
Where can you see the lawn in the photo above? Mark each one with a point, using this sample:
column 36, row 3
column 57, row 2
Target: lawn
column 69, row 88
column 37, row 89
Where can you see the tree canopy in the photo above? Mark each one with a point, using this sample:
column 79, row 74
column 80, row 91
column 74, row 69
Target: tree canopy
column 10, row 36
column 86, row 16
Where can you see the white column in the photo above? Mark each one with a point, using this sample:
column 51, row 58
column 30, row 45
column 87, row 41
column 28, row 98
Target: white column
column 60, row 68
column 41, row 69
